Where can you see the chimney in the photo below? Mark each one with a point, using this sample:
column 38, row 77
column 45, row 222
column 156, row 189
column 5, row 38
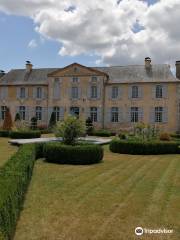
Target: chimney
column 29, row 66
column 2, row 73
column 147, row 62
column 178, row 69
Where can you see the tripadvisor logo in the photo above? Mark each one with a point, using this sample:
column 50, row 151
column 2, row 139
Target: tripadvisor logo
column 139, row 231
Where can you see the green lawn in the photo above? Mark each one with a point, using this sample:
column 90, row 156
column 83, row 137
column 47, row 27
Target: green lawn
column 104, row 201
column 6, row 150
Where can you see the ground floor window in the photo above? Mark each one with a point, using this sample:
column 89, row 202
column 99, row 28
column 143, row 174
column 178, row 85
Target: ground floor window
column 56, row 111
column 93, row 114
column 39, row 113
column 134, row 114
column 3, row 112
column 158, row 114
column 114, row 114
column 22, row 112
column 74, row 111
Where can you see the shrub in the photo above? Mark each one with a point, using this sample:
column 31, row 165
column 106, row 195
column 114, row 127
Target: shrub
column 70, row 130
column 34, row 123
column 164, row 137
column 17, row 117
column 25, row 134
column 102, row 133
column 15, row 176
column 89, row 126
column 52, row 121
column 177, row 135
column 78, row 154
column 122, row 136
column 4, row 133
column 144, row 148
column 7, row 124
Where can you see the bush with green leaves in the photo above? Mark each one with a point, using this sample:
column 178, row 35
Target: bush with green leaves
column 34, row 123
column 17, row 117
column 101, row 133
column 15, row 176
column 52, row 121
column 4, row 133
column 78, row 154
column 144, row 147
column 25, row 134
column 89, row 126
column 70, row 130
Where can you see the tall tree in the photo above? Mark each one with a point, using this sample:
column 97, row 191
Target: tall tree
column 8, row 123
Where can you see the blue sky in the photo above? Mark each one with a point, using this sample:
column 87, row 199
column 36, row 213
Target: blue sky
column 17, row 32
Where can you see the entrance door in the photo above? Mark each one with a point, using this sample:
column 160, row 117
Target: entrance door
column 74, row 111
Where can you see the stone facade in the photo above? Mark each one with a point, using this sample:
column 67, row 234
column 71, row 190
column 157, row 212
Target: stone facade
column 115, row 97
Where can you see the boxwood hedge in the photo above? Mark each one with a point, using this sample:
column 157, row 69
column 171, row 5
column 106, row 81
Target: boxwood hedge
column 15, row 176
column 144, row 148
column 25, row 134
column 4, row 133
column 78, row 154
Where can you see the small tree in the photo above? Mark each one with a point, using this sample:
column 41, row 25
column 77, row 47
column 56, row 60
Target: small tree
column 89, row 126
column 52, row 121
column 70, row 130
column 7, row 124
column 34, row 123
column 17, row 117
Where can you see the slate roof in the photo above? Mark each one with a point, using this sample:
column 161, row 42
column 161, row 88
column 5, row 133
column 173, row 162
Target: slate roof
column 117, row 74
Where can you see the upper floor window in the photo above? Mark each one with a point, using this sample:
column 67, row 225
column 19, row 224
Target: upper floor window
column 135, row 92
column 114, row 92
column 159, row 91
column 74, row 92
column 75, row 79
column 94, row 79
column 134, row 114
column 114, row 114
column 39, row 113
column 22, row 112
column 93, row 114
column 93, row 91
column 39, row 92
column 22, row 92
column 3, row 112
column 158, row 114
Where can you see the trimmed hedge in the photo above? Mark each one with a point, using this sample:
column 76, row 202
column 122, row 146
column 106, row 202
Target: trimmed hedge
column 15, row 176
column 78, row 154
column 4, row 133
column 101, row 133
column 144, row 148
column 25, row 135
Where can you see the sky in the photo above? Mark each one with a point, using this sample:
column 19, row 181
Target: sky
column 53, row 33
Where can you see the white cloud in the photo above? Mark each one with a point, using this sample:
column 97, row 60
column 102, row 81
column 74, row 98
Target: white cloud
column 32, row 44
column 106, row 28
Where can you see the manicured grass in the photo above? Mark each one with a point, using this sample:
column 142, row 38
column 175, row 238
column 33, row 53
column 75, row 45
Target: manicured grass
column 103, row 201
column 6, row 150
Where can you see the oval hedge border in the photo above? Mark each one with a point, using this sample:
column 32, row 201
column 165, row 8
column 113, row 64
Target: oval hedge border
column 78, row 154
column 144, row 148
column 24, row 134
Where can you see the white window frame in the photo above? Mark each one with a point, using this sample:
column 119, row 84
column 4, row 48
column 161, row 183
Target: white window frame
column 159, row 91
column 94, row 114
column 114, row 93
column 39, row 92
column 158, row 114
column 75, row 79
column 74, row 92
column 39, row 113
column 114, row 114
column 135, row 91
column 22, row 92
column 134, row 114
column 22, row 112
column 56, row 110
column 94, row 91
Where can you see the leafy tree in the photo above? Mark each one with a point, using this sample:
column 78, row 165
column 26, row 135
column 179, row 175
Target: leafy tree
column 34, row 123
column 89, row 126
column 7, row 124
column 17, row 117
column 70, row 130
column 52, row 121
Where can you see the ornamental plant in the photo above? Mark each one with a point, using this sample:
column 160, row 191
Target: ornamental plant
column 70, row 130
column 7, row 124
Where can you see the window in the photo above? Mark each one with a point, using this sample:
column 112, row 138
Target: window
column 74, row 111
column 56, row 110
column 159, row 91
column 22, row 112
column 94, row 79
column 114, row 114
column 93, row 114
column 39, row 92
column 134, row 91
column 3, row 112
column 75, row 79
column 74, row 92
column 22, row 92
column 114, row 92
column 93, row 91
column 158, row 114
column 39, row 113
column 134, row 114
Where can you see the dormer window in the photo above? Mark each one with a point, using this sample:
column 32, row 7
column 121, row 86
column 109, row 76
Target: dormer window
column 94, row 79
column 75, row 79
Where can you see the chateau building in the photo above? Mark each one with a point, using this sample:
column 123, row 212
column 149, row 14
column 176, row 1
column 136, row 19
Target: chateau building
column 113, row 97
